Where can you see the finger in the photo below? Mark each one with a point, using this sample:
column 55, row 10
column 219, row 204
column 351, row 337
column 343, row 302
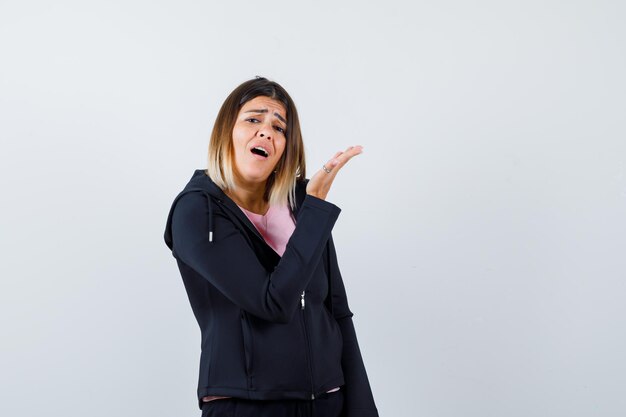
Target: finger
column 341, row 157
column 348, row 154
column 333, row 161
column 331, row 164
column 336, row 155
column 352, row 151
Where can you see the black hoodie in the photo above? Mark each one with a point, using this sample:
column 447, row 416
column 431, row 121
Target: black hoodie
column 272, row 327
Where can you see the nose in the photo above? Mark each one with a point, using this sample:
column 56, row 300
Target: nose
column 265, row 131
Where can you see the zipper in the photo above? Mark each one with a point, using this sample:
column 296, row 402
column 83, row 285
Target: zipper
column 308, row 345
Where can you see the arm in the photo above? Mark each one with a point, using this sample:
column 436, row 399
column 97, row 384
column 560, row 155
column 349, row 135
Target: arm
column 359, row 401
column 231, row 265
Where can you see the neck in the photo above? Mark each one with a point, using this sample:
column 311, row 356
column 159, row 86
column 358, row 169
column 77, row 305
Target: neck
column 250, row 197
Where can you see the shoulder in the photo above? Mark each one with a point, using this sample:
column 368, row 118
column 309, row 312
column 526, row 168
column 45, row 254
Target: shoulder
column 194, row 202
column 189, row 198
column 188, row 206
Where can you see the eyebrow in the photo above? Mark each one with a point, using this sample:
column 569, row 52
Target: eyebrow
column 265, row 111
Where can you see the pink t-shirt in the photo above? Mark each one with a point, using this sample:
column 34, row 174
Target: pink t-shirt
column 276, row 227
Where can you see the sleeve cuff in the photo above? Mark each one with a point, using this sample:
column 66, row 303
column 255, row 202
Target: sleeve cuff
column 316, row 202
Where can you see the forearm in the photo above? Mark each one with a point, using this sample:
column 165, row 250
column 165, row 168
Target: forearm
column 231, row 265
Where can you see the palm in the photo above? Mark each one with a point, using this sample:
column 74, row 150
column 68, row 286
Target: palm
column 320, row 183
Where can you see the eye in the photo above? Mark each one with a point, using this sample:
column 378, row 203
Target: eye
column 255, row 120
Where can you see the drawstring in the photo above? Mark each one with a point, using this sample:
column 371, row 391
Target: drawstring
column 208, row 198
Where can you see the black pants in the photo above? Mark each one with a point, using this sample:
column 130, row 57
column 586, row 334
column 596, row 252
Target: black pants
column 327, row 405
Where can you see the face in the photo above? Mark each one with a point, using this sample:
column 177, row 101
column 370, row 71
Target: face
column 259, row 138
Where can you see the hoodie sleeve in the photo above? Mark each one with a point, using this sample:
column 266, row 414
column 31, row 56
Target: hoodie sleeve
column 230, row 264
column 359, row 401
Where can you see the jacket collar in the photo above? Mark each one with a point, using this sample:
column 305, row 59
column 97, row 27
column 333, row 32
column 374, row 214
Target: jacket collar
column 200, row 181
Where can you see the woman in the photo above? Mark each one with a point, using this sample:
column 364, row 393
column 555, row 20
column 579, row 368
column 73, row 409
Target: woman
column 252, row 239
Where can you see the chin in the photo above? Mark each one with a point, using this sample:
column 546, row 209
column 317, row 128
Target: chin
column 255, row 176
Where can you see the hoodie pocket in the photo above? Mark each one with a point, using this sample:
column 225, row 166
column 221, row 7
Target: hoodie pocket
column 278, row 358
column 248, row 347
column 327, row 346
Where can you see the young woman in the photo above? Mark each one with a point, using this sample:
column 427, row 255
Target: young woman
column 252, row 238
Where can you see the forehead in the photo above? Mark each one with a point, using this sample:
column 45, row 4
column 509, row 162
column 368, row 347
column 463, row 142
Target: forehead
column 262, row 102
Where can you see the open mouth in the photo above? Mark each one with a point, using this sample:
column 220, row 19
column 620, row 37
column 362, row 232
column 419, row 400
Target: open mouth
column 260, row 151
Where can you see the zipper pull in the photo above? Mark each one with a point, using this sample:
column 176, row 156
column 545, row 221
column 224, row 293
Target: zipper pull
column 302, row 300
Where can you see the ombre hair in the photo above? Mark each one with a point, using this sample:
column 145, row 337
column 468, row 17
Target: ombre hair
column 280, row 186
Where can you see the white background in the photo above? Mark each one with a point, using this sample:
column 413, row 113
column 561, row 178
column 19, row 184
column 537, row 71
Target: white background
column 482, row 232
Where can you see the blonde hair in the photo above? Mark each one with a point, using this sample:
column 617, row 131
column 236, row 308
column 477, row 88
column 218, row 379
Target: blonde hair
column 281, row 185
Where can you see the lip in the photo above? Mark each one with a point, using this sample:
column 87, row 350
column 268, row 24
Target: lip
column 264, row 145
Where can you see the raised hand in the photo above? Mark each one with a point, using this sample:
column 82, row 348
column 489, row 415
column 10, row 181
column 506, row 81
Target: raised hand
column 319, row 185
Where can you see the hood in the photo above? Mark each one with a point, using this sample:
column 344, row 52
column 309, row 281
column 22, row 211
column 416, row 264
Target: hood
column 201, row 182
